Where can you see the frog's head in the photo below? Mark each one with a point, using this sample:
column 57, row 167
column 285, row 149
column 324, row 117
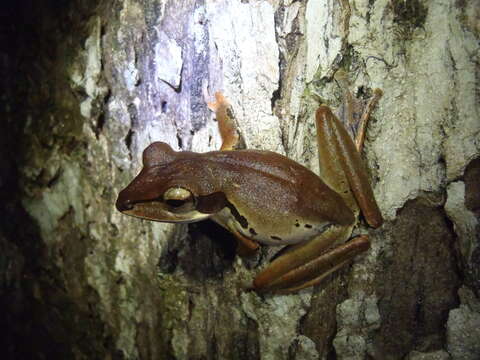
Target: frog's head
column 166, row 190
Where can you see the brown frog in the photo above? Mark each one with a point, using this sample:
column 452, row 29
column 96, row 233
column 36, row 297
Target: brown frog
column 264, row 197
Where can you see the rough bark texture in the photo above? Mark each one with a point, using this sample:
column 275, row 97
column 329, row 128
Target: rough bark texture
column 87, row 85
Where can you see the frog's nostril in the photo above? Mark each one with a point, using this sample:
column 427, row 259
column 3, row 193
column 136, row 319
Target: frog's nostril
column 124, row 205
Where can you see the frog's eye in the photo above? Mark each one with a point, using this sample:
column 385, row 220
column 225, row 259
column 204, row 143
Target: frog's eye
column 179, row 199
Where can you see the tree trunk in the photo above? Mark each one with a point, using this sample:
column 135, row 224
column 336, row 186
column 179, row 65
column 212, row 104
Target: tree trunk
column 87, row 85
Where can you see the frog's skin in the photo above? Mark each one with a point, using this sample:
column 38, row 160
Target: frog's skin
column 264, row 197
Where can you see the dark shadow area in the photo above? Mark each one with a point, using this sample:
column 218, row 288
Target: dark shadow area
column 206, row 253
column 472, row 202
column 38, row 319
column 418, row 282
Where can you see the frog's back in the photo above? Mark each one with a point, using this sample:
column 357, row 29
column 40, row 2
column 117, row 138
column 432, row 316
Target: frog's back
column 272, row 180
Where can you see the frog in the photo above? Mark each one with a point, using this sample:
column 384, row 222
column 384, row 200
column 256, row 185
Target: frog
column 265, row 198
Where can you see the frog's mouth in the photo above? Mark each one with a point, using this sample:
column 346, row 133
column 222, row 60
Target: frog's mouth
column 160, row 211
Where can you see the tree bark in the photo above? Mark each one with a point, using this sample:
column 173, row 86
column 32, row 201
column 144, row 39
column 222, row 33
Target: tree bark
column 88, row 85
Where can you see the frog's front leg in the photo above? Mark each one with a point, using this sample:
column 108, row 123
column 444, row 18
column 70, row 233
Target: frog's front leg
column 231, row 140
column 226, row 122
column 342, row 169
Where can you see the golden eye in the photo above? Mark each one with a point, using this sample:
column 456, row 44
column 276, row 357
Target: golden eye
column 179, row 199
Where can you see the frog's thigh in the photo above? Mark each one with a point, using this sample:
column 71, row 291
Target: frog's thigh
column 307, row 264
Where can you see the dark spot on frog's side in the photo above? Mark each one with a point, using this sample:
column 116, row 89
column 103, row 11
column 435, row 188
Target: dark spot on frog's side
column 275, row 238
column 240, row 219
column 308, row 226
column 252, row 231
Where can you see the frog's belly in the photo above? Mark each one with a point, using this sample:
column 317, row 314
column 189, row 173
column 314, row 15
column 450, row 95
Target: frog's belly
column 283, row 232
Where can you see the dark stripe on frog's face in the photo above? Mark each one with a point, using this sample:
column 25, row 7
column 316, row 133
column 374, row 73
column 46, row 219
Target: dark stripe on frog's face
column 210, row 204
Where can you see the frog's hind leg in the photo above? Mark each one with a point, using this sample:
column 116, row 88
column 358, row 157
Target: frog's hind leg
column 315, row 271
column 342, row 167
column 308, row 264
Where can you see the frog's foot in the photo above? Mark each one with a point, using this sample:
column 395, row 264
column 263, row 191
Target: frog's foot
column 362, row 126
column 356, row 113
column 226, row 122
